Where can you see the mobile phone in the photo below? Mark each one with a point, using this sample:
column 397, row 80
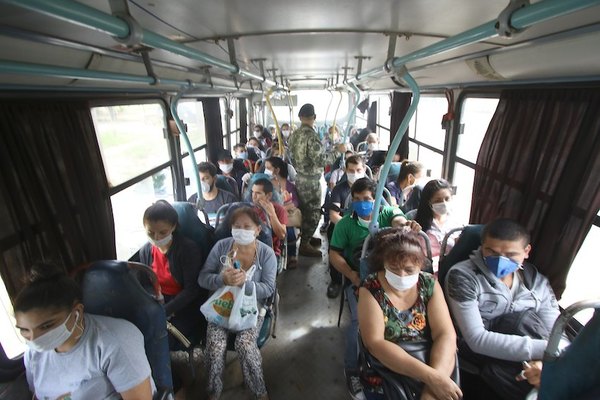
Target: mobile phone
column 237, row 264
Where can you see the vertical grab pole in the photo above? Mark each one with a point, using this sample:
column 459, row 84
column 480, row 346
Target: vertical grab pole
column 277, row 130
column 385, row 169
column 353, row 112
column 190, row 149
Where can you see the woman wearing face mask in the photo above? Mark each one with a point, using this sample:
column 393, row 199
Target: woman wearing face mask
column 226, row 265
column 176, row 261
column 73, row 354
column 434, row 215
column 406, row 190
column 277, row 169
column 399, row 303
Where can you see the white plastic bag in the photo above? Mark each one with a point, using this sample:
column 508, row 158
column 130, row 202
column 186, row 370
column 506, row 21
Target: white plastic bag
column 217, row 309
column 244, row 314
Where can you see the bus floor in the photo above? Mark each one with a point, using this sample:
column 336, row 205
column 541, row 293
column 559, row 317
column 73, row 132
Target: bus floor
column 305, row 360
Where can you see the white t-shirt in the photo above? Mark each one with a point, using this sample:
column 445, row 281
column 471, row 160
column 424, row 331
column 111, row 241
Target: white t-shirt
column 108, row 359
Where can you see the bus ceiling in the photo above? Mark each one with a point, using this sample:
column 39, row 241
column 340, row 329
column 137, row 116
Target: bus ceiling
column 215, row 47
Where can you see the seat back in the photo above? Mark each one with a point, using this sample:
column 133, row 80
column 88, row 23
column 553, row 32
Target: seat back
column 110, row 288
column 192, row 228
column 233, row 184
column 468, row 241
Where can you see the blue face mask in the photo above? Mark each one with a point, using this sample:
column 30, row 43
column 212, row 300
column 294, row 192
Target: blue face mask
column 362, row 208
column 500, row 265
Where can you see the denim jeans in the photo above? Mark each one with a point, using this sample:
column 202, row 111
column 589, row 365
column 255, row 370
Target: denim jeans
column 351, row 354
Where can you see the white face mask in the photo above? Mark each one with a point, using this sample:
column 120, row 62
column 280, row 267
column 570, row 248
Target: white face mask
column 401, row 283
column 205, row 187
column 226, row 168
column 354, row 177
column 442, row 208
column 257, row 134
column 243, row 155
column 243, row 236
column 285, row 133
column 162, row 242
column 55, row 337
column 268, row 172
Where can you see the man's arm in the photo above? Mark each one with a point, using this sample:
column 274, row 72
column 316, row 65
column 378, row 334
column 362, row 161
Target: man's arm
column 334, row 213
column 463, row 292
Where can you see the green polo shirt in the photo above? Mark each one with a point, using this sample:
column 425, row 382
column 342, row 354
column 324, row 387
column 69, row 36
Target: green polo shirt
column 349, row 234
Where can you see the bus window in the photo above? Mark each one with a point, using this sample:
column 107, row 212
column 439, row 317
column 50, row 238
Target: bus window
column 192, row 114
column 476, row 115
column 10, row 338
column 383, row 119
column 426, row 135
column 131, row 139
column 582, row 281
column 129, row 206
column 133, row 143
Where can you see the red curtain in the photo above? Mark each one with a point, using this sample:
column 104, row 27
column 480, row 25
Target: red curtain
column 539, row 165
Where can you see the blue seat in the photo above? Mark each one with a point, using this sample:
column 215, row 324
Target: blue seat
column 111, row 288
column 192, row 228
column 468, row 241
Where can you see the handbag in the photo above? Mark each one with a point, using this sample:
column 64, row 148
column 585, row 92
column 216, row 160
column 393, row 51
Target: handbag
column 396, row 386
column 294, row 218
column 217, row 309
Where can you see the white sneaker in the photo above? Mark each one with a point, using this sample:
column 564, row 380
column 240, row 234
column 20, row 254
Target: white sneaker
column 355, row 387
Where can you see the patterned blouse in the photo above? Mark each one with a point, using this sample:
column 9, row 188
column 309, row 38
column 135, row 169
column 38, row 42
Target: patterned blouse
column 401, row 325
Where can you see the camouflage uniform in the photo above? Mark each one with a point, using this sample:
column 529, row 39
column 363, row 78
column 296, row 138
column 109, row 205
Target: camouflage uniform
column 309, row 158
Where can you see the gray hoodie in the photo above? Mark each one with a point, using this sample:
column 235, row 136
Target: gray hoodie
column 475, row 296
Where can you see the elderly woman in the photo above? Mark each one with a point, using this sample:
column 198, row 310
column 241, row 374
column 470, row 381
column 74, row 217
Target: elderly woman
column 399, row 303
column 227, row 265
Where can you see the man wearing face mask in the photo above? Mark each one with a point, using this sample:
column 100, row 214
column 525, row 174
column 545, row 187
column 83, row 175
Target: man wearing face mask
column 348, row 237
column 309, row 157
column 490, row 291
column 355, row 169
column 232, row 168
column 214, row 197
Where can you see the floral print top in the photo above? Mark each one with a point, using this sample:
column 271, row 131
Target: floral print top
column 400, row 325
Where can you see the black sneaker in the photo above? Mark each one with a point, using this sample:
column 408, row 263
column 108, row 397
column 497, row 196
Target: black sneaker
column 334, row 289
column 355, row 388
column 315, row 241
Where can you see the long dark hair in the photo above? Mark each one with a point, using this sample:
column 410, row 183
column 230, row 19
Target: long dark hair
column 48, row 287
column 424, row 215
column 277, row 162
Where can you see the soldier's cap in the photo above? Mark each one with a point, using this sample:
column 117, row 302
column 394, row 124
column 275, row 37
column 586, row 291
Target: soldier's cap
column 307, row 110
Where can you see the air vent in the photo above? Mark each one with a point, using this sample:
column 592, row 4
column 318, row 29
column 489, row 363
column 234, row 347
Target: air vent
column 481, row 66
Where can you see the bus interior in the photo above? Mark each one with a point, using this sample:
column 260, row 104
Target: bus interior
column 107, row 106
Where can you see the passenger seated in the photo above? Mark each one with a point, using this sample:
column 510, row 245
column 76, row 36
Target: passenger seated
column 262, row 196
column 244, row 248
column 214, row 197
column 503, row 307
column 232, row 168
column 176, row 261
column 348, row 236
column 435, row 216
column 278, row 170
column 406, row 190
column 399, row 303
column 354, row 169
column 73, row 354
column 255, row 149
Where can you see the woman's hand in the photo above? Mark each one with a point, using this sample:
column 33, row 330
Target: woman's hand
column 439, row 386
column 234, row 277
